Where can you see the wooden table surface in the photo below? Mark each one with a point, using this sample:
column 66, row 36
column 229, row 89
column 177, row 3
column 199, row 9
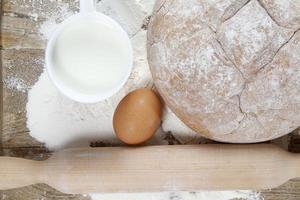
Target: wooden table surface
column 22, row 57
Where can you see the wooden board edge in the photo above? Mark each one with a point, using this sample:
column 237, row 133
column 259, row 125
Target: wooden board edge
column 1, row 80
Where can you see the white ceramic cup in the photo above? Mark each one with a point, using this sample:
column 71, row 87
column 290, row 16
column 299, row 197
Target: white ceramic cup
column 87, row 9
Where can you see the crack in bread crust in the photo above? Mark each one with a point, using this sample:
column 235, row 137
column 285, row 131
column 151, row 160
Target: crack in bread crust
column 224, row 19
column 282, row 46
column 267, row 11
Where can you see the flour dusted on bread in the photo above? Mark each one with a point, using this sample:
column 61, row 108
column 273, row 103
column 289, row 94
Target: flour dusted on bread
column 228, row 69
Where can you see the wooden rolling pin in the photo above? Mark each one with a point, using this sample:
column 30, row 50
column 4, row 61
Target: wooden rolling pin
column 155, row 168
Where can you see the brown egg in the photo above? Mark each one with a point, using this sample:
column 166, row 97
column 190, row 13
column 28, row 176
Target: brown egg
column 138, row 116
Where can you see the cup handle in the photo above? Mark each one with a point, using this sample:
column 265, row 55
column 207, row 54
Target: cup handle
column 87, row 6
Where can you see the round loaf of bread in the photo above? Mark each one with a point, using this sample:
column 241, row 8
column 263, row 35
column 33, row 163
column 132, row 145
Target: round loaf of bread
column 229, row 69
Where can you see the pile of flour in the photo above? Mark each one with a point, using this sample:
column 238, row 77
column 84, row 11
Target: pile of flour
column 60, row 122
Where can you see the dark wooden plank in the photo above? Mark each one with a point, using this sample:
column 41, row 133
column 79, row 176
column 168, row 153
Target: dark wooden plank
column 32, row 153
column 20, row 33
column 38, row 10
column 1, row 82
column 288, row 191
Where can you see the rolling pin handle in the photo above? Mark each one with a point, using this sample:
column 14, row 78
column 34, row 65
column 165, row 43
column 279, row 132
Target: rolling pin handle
column 18, row 172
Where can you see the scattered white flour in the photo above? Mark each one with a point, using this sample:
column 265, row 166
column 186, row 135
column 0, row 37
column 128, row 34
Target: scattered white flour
column 48, row 26
column 60, row 122
column 221, row 195
column 125, row 12
column 15, row 83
